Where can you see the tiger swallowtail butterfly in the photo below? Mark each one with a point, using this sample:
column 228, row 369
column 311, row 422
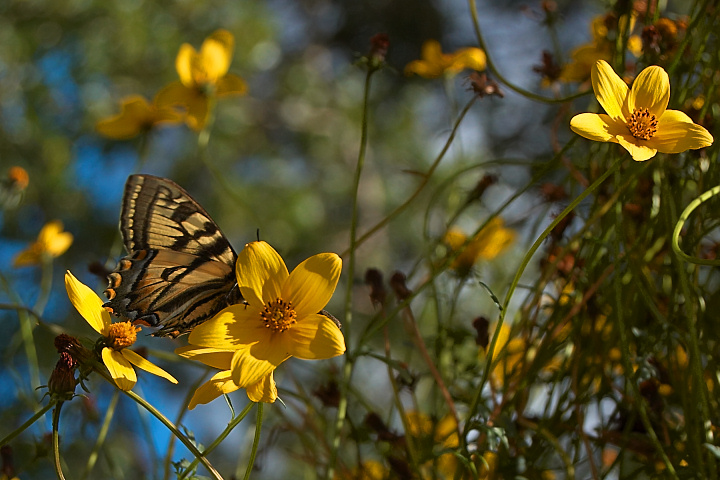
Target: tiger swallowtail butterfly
column 180, row 268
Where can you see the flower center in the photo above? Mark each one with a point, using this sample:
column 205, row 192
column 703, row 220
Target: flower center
column 642, row 124
column 278, row 315
column 121, row 335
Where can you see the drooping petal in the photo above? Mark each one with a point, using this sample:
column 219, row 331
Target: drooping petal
column 610, row 90
column 30, row 256
column 312, row 283
column 235, row 326
column 120, row 369
column 175, row 93
column 261, row 273
column 248, row 370
column 651, row 90
column 212, row 357
column 184, row 64
column 316, row 337
column 597, row 127
column 231, row 85
column 640, row 150
column 219, row 384
column 146, row 365
column 87, row 303
column 135, row 113
column 263, row 391
column 198, row 111
column 216, row 53
column 676, row 133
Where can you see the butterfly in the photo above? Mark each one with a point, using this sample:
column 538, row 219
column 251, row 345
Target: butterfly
column 180, row 268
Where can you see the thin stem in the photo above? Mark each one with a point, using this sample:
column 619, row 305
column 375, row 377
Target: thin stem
column 27, row 423
column 256, row 441
column 681, row 222
column 56, row 442
column 109, row 414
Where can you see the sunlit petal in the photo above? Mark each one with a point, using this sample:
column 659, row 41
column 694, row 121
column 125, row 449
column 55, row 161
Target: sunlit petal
column 261, row 273
column 651, row 90
column 216, row 53
column 87, row 303
column 598, row 127
column 677, row 133
column 610, row 90
column 312, row 283
column 184, row 64
column 248, row 370
column 212, row 357
column 263, row 391
column 141, row 362
column 468, row 58
column 221, row 383
column 640, row 150
column 120, row 369
column 233, row 327
column 316, row 337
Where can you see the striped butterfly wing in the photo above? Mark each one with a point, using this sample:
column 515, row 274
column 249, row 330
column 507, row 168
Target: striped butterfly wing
column 180, row 268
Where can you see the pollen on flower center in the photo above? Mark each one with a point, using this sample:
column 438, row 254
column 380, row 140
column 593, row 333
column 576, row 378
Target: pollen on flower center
column 642, row 124
column 278, row 315
column 121, row 335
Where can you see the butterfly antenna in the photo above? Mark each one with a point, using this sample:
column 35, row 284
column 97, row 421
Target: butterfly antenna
column 257, row 234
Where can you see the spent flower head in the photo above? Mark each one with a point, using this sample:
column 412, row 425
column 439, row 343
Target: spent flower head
column 280, row 319
column 51, row 242
column 203, row 76
column 116, row 337
column 637, row 118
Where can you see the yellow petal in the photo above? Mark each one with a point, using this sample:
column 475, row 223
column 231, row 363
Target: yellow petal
column 472, row 58
column 432, row 52
column 135, row 114
column 195, row 103
column 248, row 370
column 640, row 150
column 212, row 357
column 231, row 85
column 30, row 256
column 423, row 68
column 219, row 384
column 216, row 54
column 120, row 369
column 315, row 337
column 311, row 284
column 230, row 329
column 141, row 362
column 263, row 391
column 261, row 273
column 184, row 61
column 597, row 127
column 676, row 133
column 610, row 90
column 651, row 90
column 87, row 303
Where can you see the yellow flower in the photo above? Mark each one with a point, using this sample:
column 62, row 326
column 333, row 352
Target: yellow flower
column 434, row 63
column 278, row 321
column 116, row 355
column 637, row 118
column 52, row 242
column 507, row 358
column 487, row 244
column 203, row 75
column 136, row 116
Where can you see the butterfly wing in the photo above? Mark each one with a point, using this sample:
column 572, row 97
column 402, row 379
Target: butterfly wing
column 180, row 268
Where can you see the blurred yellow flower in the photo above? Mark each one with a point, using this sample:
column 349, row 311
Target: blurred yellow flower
column 435, row 63
column 506, row 359
column 368, row 470
column 203, row 75
column 638, row 118
column 52, row 242
column 487, row 244
column 18, row 178
column 280, row 319
column 117, row 337
column 136, row 116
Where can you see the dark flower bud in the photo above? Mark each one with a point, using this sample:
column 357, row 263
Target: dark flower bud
column 482, row 86
column 62, row 381
column 374, row 278
column 397, row 283
column 481, row 326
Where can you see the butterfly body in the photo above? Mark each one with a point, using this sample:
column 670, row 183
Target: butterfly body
column 180, row 268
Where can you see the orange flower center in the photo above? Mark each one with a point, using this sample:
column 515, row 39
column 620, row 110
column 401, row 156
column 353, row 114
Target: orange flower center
column 642, row 124
column 278, row 315
column 121, row 335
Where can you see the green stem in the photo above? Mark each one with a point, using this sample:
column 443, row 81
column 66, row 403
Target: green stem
column 56, row 442
column 256, row 441
column 45, row 285
column 102, row 435
column 681, row 223
column 233, row 423
column 492, row 67
column 27, row 423
column 516, row 280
